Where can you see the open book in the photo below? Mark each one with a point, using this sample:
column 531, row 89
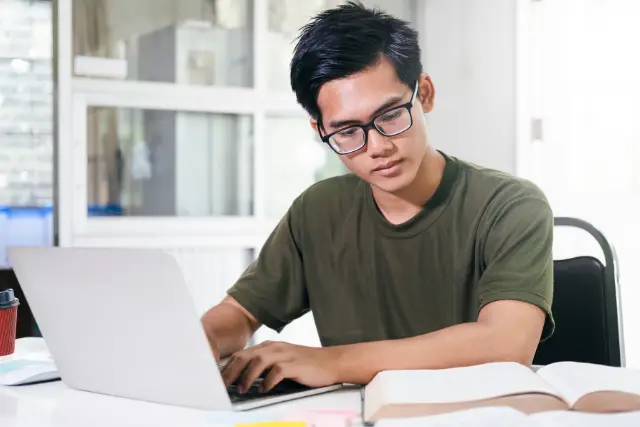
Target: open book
column 580, row 387
column 503, row 416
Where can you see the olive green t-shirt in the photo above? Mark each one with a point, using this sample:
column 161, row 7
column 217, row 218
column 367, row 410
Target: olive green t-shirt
column 483, row 236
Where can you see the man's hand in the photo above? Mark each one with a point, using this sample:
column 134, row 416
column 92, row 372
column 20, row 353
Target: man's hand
column 310, row 366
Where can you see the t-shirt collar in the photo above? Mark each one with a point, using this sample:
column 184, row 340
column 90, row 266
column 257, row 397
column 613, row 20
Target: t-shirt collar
column 429, row 213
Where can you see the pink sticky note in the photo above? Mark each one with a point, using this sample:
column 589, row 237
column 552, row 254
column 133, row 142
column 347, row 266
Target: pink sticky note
column 323, row 418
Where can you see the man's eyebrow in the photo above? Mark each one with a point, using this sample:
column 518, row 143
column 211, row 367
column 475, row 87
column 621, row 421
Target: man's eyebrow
column 391, row 102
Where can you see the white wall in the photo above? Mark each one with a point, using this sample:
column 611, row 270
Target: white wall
column 470, row 54
column 587, row 94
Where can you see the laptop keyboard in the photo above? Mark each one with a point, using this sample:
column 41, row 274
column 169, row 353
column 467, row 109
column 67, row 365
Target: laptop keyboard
column 285, row 387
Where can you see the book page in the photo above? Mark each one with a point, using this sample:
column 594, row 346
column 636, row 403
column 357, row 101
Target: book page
column 480, row 417
column 582, row 419
column 575, row 380
column 27, row 371
column 465, row 384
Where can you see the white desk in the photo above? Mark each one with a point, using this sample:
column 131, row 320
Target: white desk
column 54, row 404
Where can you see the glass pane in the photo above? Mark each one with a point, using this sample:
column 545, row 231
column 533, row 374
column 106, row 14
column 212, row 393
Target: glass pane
column 296, row 158
column 200, row 42
column 168, row 163
column 26, row 112
column 286, row 17
column 26, row 117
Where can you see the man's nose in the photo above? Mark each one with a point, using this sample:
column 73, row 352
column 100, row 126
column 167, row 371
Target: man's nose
column 378, row 145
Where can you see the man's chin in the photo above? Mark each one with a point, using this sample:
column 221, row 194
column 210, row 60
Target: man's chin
column 392, row 185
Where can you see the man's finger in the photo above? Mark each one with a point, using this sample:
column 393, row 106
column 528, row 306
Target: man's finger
column 233, row 369
column 278, row 372
column 239, row 362
column 261, row 361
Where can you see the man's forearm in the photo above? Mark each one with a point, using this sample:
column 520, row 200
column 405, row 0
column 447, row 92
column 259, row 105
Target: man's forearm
column 227, row 329
column 460, row 345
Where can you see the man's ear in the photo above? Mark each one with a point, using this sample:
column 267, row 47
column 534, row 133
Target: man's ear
column 426, row 92
column 316, row 126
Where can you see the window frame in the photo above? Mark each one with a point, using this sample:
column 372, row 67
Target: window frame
column 74, row 95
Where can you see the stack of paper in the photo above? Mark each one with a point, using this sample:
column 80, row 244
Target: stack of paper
column 31, row 363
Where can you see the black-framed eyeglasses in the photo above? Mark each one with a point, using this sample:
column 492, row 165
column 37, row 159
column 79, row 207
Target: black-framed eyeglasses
column 389, row 123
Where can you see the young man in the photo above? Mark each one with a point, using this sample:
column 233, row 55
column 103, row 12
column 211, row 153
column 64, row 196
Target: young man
column 416, row 259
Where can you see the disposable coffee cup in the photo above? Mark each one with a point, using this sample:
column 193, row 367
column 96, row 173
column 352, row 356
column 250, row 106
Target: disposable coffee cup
column 8, row 321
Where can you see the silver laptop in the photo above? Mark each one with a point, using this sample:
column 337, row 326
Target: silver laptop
column 122, row 322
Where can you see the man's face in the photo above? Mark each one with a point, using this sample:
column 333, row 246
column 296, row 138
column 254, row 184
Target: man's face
column 390, row 163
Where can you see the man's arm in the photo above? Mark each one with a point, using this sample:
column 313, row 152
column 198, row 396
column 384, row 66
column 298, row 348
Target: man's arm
column 228, row 326
column 506, row 330
column 514, row 301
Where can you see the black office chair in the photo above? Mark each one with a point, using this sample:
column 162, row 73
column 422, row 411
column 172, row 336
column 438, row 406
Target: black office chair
column 586, row 307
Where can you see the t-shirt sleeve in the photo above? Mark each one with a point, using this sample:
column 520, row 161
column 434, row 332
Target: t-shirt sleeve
column 273, row 287
column 518, row 253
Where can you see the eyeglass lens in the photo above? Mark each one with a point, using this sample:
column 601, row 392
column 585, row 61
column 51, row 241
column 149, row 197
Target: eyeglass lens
column 389, row 124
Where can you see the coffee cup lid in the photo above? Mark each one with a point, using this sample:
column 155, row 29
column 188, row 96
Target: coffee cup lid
column 8, row 299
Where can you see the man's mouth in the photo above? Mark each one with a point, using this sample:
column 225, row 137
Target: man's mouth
column 387, row 166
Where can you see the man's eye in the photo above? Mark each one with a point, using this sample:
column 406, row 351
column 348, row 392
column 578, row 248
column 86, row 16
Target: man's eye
column 390, row 116
column 348, row 132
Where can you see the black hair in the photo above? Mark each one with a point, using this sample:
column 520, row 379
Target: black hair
column 345, row 40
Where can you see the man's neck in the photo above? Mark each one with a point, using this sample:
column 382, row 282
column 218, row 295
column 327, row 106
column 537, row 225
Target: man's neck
column 400, row 207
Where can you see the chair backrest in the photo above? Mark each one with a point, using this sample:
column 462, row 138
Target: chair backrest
column 586, row 307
